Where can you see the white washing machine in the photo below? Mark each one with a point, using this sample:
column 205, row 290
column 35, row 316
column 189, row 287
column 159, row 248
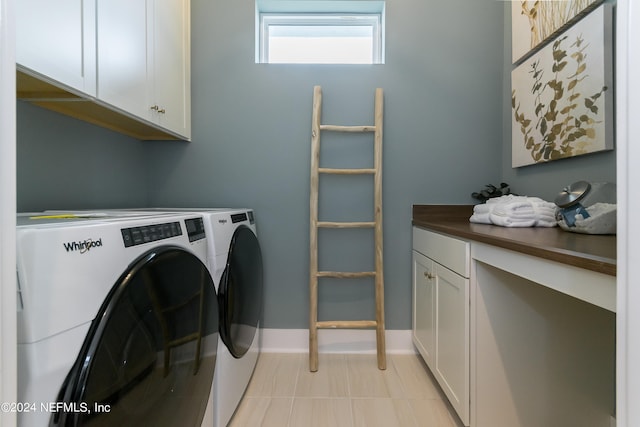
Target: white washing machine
column 117, row 320
column 235, row 262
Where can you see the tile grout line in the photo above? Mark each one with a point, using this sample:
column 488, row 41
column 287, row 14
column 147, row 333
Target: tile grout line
column 295, row 389
column 403, row 386
column 350, row 397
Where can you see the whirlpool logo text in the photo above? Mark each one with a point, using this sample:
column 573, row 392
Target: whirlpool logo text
column 83, row 246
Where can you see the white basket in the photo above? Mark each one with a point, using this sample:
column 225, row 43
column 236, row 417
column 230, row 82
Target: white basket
column 602, row 220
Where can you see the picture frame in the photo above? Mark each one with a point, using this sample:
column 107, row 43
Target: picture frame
column 534, row 22
column 563, row 96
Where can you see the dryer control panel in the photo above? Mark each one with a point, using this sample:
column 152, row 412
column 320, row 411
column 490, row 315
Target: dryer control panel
column 239, row 217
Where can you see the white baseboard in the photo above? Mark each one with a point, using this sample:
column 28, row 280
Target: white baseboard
column 335, row 341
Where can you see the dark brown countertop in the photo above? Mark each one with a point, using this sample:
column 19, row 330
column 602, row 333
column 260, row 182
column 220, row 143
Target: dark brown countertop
column 592, row 252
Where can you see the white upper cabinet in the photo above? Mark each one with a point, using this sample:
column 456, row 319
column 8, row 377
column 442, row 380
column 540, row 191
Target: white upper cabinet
column 126, row 61
column 171, row 87
column 58, row 43
column 143, row 60
column 122, row 55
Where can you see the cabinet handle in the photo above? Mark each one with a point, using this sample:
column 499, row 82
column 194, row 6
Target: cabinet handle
column 429, row 276
column 158, row 109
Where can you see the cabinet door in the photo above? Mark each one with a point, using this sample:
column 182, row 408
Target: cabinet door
column 452, row 338
column 56, row 41
column 171, row 60
column 122, row 55
column 424, row 309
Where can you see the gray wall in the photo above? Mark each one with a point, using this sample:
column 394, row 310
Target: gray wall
column 447, row 92
column 251, row 141
column 64, row 163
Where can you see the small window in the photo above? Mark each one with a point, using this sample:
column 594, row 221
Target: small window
column 320, row 37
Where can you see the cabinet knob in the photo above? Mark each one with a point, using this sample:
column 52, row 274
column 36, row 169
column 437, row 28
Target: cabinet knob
column 429, row 275
column 158, row 109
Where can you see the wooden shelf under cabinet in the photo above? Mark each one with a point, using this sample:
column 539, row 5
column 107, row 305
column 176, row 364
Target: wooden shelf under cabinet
column 47, row 95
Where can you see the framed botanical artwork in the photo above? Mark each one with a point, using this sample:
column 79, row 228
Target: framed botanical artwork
column 562, row 96
column 533, row 22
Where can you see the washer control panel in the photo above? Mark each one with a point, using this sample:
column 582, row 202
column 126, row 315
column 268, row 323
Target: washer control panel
column 195, row 229
column 150, row 233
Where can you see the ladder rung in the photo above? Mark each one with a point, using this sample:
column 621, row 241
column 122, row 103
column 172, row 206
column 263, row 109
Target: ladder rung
column 346, row 324
column 331, row 224
column 346, row 274
column 337, row 128
column 347, row 171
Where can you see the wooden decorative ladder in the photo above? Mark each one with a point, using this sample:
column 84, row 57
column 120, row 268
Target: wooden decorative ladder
column 314, row 274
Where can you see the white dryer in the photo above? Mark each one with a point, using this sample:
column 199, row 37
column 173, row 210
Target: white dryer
column 117, row 319
column 235, row 260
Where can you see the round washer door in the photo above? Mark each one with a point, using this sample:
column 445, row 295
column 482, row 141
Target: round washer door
column 150, row 353
column 240, row 292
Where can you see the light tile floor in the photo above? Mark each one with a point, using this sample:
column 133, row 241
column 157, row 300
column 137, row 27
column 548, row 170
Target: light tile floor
column 347, row 391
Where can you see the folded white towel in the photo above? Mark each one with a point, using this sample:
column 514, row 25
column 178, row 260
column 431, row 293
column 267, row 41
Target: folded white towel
column 481, row 218
column 483, row 208
column 545, row 214
column 520, row 209
column 514, row 205
column 536, row 210
column 546, row 223
column 505, row 221
column 515, row 211
column 548, row 216
column 504, row 199
column 545, row 210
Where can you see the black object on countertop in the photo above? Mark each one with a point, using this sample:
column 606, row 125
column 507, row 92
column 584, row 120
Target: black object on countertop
column 492, row 191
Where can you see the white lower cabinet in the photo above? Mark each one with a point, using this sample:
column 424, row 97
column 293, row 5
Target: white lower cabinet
column 441, row 312
column 452, row 338
column 424, row 303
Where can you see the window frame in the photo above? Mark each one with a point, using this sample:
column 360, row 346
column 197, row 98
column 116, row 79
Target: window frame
column 375, row 20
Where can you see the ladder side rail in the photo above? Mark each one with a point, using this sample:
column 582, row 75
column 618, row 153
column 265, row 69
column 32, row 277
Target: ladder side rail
column 313, row 229
column 379, row 279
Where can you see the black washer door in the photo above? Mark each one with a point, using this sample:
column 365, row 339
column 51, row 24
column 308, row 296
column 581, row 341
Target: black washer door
column 149, row 355
column 240, row 292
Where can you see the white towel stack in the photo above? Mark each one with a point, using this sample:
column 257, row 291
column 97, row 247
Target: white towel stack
column 515, row 211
